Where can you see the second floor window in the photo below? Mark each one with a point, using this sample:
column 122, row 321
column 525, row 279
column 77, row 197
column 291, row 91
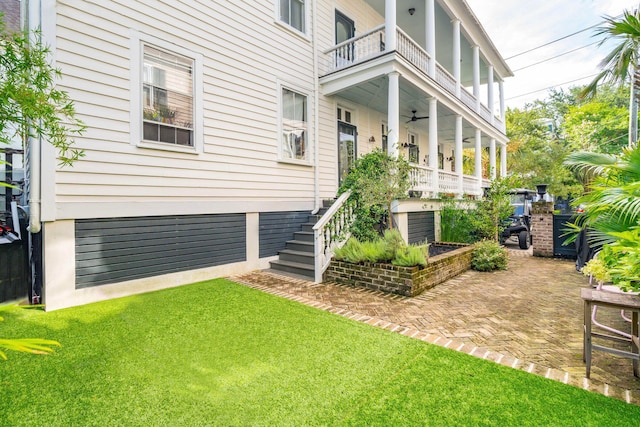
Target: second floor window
column 292, row 12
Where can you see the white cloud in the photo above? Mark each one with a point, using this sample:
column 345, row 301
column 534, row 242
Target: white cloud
column 516, row 26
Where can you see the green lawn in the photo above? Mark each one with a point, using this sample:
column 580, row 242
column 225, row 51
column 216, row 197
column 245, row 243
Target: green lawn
column 217, row 353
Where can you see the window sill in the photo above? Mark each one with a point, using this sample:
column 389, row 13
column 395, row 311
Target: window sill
column 165, row 146
column 293, row 31
column 295, row 162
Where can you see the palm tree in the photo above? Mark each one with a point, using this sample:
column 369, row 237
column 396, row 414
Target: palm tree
column 612, row 205
column 622, row 62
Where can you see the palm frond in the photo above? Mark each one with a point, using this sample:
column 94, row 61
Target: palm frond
column 27, row 345
column 622, row 61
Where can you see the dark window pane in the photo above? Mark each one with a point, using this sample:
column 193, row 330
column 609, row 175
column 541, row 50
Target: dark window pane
column 168, row 134
column 184, row 137
column 150, row 132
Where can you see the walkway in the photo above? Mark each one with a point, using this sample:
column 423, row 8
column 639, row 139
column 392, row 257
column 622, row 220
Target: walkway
column 528, row 317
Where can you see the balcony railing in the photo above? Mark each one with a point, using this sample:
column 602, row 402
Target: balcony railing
column 448, row 182
column 371, row 44
column 356, row 50
column 421, row 178
column 412, row 51
column 445, row 79
column 470, row 185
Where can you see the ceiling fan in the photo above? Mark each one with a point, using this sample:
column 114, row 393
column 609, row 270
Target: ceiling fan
column 464, row 140
column 414, row 118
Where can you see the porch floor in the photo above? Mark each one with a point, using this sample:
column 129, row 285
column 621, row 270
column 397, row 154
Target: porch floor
column 528, row 317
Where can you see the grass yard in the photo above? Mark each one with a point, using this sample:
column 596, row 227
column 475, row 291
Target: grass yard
column 217, row 353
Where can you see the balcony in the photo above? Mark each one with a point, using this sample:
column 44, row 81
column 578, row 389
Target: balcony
column 371, row 45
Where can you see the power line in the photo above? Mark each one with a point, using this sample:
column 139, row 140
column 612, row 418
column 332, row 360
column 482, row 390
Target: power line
column 557, row 56
column 551, row 87
column 559, row 39
column 553, row 41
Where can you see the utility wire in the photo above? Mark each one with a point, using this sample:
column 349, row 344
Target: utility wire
column 559, row 39
column 551, row 87
column 554, row 57
column 553, row 41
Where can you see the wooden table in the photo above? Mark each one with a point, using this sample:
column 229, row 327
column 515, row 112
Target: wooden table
column 619, row 301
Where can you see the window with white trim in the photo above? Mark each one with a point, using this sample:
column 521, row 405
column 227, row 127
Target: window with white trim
column 294, row 125
column 167, row 97
column 292, row 12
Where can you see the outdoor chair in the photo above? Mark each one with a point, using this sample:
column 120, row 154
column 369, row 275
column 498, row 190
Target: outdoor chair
column 613, row 298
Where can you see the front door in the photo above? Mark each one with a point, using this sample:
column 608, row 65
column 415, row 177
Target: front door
column 347, row 146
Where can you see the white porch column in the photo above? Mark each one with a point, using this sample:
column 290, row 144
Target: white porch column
column 456, row 55
column 478, row 160
column 476, row 75
column 503, row 160
column 492, row 158
column 430, row 27
column 458, row 155
column 490, row 92
column 390, row 25
column 433, row 143
column 393, row 113
column 501, row 94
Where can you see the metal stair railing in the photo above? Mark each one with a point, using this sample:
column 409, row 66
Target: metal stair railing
column 331, row 231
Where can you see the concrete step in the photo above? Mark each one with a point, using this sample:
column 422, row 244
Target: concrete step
column 303, row 236
column 293, row 267
column 296, row 245
column 296, row 256
column 308, row 227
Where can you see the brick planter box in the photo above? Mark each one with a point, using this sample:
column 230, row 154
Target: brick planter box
column 407, row 281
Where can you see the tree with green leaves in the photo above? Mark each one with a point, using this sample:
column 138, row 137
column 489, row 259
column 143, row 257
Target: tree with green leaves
column 376, row 180
column 622, row 62
column 492, row 211
column 31, row 106
column 536, row 153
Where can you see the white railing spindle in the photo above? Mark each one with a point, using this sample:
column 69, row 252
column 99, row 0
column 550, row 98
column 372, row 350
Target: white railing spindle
column 331, row 231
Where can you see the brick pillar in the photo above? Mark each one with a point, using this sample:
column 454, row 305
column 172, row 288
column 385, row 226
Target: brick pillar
column 542, row 228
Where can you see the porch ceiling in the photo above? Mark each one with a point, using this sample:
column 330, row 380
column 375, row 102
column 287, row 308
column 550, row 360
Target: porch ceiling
column 374, row 94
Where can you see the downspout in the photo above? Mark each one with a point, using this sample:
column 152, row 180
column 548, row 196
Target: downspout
column 33, row 21
column 316, row 113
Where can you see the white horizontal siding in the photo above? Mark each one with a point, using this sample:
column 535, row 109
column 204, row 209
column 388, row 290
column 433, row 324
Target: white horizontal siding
column 243, row 59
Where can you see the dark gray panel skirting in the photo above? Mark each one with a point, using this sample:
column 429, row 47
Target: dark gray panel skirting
column 114, row 250
column 278, row 227
column 421, row 227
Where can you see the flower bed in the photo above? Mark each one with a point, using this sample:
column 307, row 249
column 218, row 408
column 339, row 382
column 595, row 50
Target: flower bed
column 407, row 281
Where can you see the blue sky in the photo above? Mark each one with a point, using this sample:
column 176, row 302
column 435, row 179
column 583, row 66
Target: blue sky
column 518, row 25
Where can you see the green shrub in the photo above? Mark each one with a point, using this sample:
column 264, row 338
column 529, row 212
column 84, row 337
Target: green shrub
column 409, row 256
column 375, row 251
column 351, row 252
column 456, row 224
column 390, row 248
column 488, row 256
column 393, row 241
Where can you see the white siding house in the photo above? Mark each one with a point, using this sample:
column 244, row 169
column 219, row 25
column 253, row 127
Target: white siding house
column 215, row 128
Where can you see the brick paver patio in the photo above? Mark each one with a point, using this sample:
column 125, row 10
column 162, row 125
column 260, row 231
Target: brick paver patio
column 528, row 317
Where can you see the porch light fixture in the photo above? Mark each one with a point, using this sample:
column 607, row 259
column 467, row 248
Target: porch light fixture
column 372, row 139
column 412, row 10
